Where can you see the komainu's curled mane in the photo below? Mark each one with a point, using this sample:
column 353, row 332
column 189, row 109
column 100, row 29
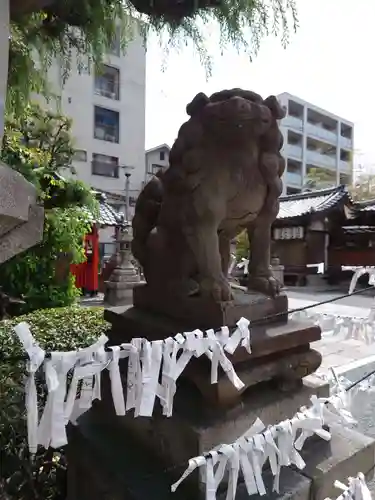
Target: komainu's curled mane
column 224, row 177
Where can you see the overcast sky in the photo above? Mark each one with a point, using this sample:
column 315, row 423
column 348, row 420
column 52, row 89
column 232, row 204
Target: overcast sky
column 329, row 62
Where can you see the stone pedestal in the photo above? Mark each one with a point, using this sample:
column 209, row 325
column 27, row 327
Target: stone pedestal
column 200, row 312
column 120, row 286
column 280, row 352
column 118, row 458
column 196, row 427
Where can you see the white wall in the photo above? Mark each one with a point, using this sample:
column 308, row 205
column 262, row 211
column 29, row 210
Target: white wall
column 153, row 158
column 78, row 99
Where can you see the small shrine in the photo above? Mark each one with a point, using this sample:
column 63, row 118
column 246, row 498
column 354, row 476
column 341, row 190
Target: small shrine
column 302, row 232
column 88, row 274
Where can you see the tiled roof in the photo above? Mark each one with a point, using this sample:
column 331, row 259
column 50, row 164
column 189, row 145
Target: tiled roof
column 366, row 206
column 107, row 215
column 297, row 205
column 358, row 229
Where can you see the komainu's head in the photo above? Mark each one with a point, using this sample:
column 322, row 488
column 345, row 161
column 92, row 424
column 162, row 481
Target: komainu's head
column 234, row 115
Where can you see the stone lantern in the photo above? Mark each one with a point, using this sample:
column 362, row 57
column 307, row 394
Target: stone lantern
column 119, row 287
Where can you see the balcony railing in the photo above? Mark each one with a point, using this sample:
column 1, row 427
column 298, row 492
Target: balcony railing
column 106, row 169
column 321, row 133
column 293, row 151
column 106, row 133
column 293, row 123
column 319, row 159
column 346, row 143
column 345, row 167
column 293, row 179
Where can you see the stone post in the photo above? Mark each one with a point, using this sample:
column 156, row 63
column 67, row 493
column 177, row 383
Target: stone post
column 277, row 269
column 119, row 287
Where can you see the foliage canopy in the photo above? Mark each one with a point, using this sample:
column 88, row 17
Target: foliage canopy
column 38, row 144
column 363, row 187
column 86, row 29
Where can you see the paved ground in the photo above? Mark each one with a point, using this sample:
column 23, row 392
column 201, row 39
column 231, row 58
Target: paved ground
column 337, row 351
column 352, row 358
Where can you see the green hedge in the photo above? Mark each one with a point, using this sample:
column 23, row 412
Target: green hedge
column 62, row 329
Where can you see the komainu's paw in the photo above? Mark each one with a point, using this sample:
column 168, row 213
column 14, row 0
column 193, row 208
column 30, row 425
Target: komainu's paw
column 268, row 285
column 218, row 289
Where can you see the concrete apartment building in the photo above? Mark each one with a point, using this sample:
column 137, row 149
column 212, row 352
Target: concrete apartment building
column 156, row 159
column 314, row 139
column 108, row 113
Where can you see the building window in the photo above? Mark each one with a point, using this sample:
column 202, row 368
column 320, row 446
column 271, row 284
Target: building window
column 345, row 155
column 346, row 131
column 162, row 156
column 114, row 48
column 107, row 83
column 105, row 165
column 295, row 109
column 80, row 155
column 106, row 124
column 154, row 169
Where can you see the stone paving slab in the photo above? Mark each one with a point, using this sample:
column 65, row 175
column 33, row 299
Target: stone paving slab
column 336, row 352
column 331, row 308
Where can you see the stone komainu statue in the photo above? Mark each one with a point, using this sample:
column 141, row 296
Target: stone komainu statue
column 224, row 176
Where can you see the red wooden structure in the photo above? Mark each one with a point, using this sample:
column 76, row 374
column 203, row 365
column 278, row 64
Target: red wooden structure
column 86, row 273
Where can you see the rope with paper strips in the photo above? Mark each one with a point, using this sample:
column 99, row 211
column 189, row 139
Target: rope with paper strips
column 356, row 489
column 148, row 361
column 277, row 444
column 345, row 325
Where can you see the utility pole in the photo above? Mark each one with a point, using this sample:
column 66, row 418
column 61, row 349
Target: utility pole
column 126, row 169
column 127, row 198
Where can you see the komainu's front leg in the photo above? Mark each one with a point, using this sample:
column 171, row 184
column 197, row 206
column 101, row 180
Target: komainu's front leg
column 261, row 278
column 224, row 249
column 203, row 241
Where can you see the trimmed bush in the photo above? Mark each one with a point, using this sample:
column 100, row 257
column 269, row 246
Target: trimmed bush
column 60, row 329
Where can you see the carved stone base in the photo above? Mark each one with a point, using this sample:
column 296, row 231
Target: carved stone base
column 278, row 352
column 119, row 293
column 287, row 370
column 200, row 312
column 141, row 448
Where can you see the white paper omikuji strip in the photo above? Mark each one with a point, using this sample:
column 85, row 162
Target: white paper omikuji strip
column 356, row 489
column 148, row 361
column 278, row 445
